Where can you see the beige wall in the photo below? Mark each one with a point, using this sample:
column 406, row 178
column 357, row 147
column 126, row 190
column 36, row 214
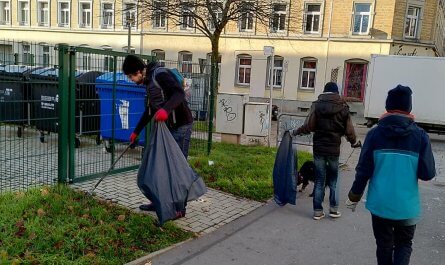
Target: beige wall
column 331, row 53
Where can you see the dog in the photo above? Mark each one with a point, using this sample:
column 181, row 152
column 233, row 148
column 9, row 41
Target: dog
column 306, row 174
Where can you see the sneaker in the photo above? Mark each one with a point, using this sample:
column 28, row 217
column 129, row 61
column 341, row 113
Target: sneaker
column 147, row 207
column 318, row 216
column 335, row 214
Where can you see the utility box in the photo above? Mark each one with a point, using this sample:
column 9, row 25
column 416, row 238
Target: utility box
column 256, row 119
column 230, row 113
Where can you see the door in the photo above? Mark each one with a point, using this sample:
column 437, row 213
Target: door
column 355, row 80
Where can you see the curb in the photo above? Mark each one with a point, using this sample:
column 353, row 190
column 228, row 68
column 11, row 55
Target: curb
column 146, row 260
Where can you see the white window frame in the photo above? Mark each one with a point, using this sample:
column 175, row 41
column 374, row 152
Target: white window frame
column 20, row 17
column 188, row 64
column 132, row 12
column 26, row 54
column 410, row 18
column 308, row 70
column 83, row 12
column 313, row 14
column 46, row 56
column 246, row 18
column 5, row 15
column 159, row 16
column 187, row 21
column 216, row 9
column 277, row 70
column 103, row 15
column 63, row 11
column 280, row 17
column 155, row 53
column 40, row 10
column 245, row 67
column 362, row 14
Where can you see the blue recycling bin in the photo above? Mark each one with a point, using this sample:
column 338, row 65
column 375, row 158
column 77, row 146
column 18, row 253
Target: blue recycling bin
column 128, row 107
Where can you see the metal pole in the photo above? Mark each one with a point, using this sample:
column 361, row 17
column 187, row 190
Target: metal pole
column 129, row 36
column 272, row 62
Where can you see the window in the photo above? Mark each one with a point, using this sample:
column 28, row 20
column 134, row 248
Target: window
column 129, row 15
column 185, row 62
column 107, row 15
column 160, row 56
column 85, row 14
column 27, row 57
column 108, row 64
column 64, row 14
column 312, row 18
column 187, row 18
column 5, row 12
column 23, row 16
column 45, row 56
column 86, row 61
column 362, row 15
column 412, row 22
column 278, row 18
column 43, row 13
column 159, row 15
column 244, row 69
column 277, row 72
column 246, row 18
column 308, row 72
column 217, row 11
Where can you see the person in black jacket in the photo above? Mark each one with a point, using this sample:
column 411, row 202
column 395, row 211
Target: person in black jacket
column 329, row 119
column 166, row 102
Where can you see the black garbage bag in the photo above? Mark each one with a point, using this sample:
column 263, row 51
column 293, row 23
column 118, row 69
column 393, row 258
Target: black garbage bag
column 165, row 177
column 284, row 173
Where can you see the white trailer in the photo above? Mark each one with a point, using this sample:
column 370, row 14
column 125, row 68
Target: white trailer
column 424, row 75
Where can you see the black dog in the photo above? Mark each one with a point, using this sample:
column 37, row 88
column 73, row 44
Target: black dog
column 306, row 174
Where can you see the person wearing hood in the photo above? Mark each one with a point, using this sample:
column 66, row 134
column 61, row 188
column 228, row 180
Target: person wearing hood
column 329, row 119
column 395, row 155
column 166, row 103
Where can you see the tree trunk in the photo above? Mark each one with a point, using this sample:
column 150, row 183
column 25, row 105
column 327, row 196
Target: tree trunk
column 213, row 88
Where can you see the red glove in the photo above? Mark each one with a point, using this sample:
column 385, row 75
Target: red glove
column 161, row 115
column 133, row 137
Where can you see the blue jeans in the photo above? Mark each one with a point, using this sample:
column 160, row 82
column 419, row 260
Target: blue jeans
column 182, row 136
column 326, row 173
column 393, row 240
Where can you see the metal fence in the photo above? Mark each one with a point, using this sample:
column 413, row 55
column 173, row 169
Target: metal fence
column 66, row 113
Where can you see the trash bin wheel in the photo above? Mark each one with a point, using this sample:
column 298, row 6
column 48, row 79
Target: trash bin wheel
column 20, row 132
column 98, row 140
column 77, row 143
column 42, row 137
column 108, row 147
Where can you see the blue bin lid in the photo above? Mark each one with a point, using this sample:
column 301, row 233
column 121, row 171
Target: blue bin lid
column 122, row 81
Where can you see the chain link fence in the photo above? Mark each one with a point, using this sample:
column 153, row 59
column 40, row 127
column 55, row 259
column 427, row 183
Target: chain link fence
column 66, row 113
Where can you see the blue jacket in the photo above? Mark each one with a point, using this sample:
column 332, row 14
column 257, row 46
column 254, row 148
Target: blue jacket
column 394, row 156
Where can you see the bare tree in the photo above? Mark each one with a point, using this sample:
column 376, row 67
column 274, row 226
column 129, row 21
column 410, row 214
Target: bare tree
column 211, row 17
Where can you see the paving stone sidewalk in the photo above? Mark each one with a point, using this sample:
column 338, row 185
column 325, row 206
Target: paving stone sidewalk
column 204, row 215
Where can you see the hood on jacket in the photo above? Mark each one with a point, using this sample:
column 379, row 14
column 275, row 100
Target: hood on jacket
column 329, row 104
column 396, row 125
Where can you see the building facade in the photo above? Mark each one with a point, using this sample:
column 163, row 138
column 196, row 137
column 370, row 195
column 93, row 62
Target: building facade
column 326, row 40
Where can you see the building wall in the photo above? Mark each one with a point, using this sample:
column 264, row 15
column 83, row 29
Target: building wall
column 331, row 47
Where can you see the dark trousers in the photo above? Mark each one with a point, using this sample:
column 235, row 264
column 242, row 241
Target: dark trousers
column 393, row 240
column 182, row 136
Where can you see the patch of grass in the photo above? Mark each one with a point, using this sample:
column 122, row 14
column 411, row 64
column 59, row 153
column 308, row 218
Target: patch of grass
column 56, row 225
column 201, row 126
column 244, row 171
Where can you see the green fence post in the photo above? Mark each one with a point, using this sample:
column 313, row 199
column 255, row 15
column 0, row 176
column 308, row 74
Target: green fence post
column 63, row 145
column 213, row 84
column 72, row 114
column 113, row 111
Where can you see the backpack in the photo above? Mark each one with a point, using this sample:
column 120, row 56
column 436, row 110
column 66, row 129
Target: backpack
column 179, row 78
